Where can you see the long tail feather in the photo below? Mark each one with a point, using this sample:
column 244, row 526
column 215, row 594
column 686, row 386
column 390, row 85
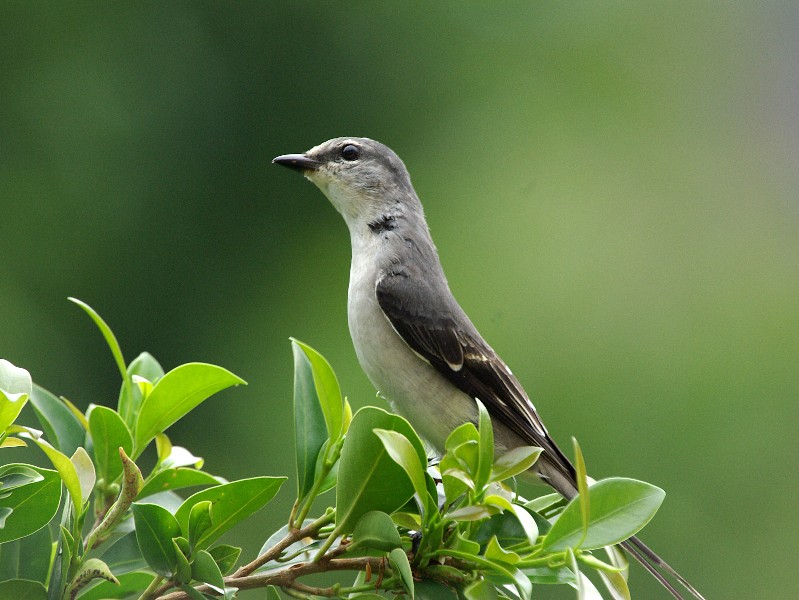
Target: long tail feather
column 651, row 562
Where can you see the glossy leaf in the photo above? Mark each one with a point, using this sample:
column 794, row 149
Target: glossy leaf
column 480, row 590
column 327, row 390
column 375, row 530
column 15, row 389
column 620, row 508
column 310, row 429
column 225, row 557
column 22, row 589
column 230, row 503
column 515, row 462
column 109, row 433
column 485, row 459
column 583, row 496
column 145, row 365
column 84, row 469
column 65, row 468
column 124, row 555
column 178, row 392
column 63, row 431
column 400, row 565
column 432, row 590
column 403, row 452
column 368, row 479
column 16, row 475
column 199, row 521
column 174, row 479
column 155, row 528
column 616, row 581
column 109, row 336
column 130, row 585
column 506, row 572
column 180, row 457
column 204, row 568
column 550, row 576
column 27, row 557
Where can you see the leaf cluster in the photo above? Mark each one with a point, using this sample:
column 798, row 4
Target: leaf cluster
column 456, row 529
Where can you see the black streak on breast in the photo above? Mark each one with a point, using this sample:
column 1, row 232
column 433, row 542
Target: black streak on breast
column 383, row 223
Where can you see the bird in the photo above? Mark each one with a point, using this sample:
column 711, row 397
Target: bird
column 413, row 340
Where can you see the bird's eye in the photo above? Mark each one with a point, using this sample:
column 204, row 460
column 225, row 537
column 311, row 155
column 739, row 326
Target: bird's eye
column 350, row 152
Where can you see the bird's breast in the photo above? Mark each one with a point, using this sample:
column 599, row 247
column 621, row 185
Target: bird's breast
column 411, row 385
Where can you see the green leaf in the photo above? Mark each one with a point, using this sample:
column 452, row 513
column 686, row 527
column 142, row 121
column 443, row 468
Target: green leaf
column 310, row 429
column 271, row 593
column 550, row 576
column 225, row 557
column 130, row 585
column 178, row 392
column 199, row 521
column 14, row 476
column 124, row 555
column 204, row 568
column 544, row 503
column 84, row 469
column 155, row 528
column 163, row 447
column 400, row 565
column 23, row 589
column 145, row 365
column 110, row 339
column 61, row 427
column 230, row 503
column 65, row 468
column 375, row 530
column 462, row 445
column 505, row 526
column 27, row 557
column 180, row 457
column 515, row 462
column 620, row 508
column 403, row 452
column 109, row 433
column 368, row 479
column 327, row 390
column 504, row 571
column 62, row 558
column 173, row 479
column 582, row 488
column 616, row 581
column 585, row 589
column 480, row 590
column 182, row 551
column 485, row 460
column 15, row 389
column 494, row 551
column 432, row 590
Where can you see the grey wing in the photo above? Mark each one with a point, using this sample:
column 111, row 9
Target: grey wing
column 432, row 323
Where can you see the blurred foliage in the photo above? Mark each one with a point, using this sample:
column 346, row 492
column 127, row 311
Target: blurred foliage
column 612, row 188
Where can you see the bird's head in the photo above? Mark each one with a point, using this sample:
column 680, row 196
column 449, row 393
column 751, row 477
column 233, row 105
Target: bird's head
column 362, row 178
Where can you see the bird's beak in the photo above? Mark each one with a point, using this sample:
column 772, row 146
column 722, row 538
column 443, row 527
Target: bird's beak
column 297, row 162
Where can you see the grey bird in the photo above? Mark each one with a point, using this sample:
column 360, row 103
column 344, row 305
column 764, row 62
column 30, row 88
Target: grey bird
column 413, row 340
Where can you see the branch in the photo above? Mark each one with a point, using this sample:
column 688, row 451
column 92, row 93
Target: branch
column 287, row 577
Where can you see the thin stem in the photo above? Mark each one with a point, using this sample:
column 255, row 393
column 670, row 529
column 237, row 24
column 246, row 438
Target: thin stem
column 293, row 536
column 150, row 591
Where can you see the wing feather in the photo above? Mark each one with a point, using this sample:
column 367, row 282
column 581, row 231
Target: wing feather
column 435, row 327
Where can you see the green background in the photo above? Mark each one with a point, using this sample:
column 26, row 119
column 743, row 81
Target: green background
column 612, row 186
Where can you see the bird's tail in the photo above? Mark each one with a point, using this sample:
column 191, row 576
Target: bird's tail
column 560, row 474
column 659, row 568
